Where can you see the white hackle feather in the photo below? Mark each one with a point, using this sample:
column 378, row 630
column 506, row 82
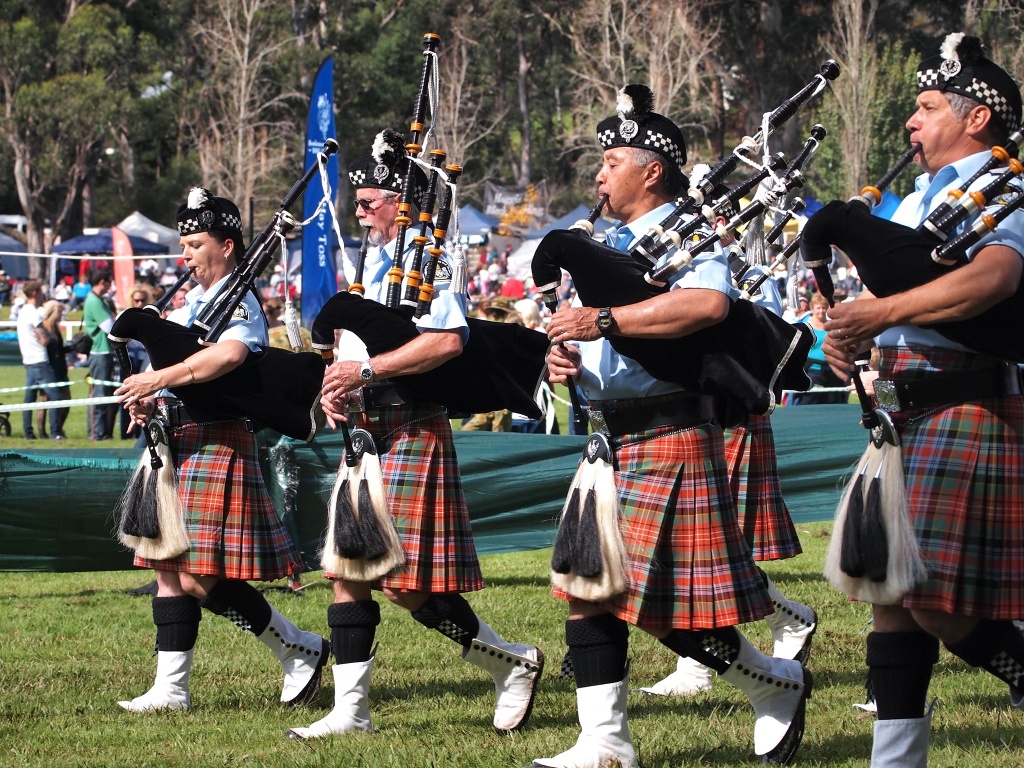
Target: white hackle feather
column 624, row 104
column 380, row 147
column 950, row 44
column 197, row 198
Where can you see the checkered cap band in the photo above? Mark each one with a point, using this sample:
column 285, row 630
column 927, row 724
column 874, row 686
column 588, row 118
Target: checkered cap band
column 367, row 173
column 192, row 224
column 656, row 133
column 214, row 213
column 983, row 81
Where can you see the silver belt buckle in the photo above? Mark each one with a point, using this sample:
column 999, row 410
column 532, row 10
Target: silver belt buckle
column 597, row 421
column 886, row 397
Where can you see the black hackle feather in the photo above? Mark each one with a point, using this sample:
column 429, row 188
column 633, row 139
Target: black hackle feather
column 642, row 98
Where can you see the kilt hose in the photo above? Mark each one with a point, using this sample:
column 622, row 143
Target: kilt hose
column 232, row 524
column 689, row 566
column 424, row 492
column 963, row 467
column 754, row 479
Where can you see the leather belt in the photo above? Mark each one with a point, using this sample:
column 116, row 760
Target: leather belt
column 625, row 417
column 381, row 395
column 175, row 414
column 942, row 389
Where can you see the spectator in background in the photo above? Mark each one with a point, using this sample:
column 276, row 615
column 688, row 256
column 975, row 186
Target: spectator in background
column 80, row 290
column 56, row 353
column 98, row 317
column 818, row 371
column 498, row 310
column 62, row 290
column 5, row 288
column 32, row 342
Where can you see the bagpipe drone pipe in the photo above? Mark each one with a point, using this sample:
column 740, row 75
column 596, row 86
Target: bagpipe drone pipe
column 273, row 387
column 892, row 258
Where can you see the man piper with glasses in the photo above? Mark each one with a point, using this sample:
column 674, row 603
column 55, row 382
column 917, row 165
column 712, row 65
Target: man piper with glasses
column 421, row 478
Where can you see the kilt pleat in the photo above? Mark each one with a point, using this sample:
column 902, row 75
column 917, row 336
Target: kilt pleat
column 689, row 566
column 425, row 496
column 963, row 469
column 754, row 479
column 231, row 521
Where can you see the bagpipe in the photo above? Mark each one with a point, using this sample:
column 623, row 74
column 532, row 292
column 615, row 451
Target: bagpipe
column 500, row 365
column 892, row 258
column 752, row 355
column 662, row 239
column 274, row 388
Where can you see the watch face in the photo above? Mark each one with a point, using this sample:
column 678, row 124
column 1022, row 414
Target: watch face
column 366, row 373
column 604, row 319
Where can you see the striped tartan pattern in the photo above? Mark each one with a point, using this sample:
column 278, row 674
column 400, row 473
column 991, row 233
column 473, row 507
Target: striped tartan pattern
column 230, row 519
column 424, row 493
column 963, row 466
column 689, row 567
column 754, row 480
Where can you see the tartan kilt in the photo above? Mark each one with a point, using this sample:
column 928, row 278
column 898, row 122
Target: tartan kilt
column 424, row 492
column 963, row 469
column 754, row 479
column 230, row 519
column 689, row 566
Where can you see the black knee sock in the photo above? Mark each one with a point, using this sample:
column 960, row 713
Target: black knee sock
column 353, row 627
column 450, row 615
column 598, row 647
column 240, row 602
column 900, row 668
column 177, row 622
column 996, row 647
column 715, row 648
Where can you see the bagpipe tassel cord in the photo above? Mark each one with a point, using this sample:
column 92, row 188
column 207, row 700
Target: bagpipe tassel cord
column 151, row 520
column 361, row 543
column 589, row 560
column 873, row 555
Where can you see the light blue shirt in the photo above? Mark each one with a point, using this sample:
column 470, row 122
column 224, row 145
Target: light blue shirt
column 607, row 375
column 247, row 324
column 447, row 310
column 767, row 295
column 928, row 194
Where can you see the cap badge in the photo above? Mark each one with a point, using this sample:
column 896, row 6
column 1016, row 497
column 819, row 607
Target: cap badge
column 628, row 129
column 381, row 172
column 950, row 68
column 206, row 217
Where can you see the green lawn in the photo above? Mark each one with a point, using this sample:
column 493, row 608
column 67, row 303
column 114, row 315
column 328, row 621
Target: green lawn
column 71, row 645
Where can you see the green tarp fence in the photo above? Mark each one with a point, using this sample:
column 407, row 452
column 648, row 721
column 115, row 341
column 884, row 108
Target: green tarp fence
column 56, row 507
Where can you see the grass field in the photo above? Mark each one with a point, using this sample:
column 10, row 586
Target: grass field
column 71, row 645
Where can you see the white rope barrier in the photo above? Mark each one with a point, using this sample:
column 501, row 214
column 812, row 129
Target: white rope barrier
column 46, row 404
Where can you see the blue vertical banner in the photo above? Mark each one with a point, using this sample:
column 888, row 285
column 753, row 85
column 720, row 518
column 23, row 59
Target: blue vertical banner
column 319, row 274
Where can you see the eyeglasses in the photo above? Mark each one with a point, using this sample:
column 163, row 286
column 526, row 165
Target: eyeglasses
column 368, row 205
column 138, row 299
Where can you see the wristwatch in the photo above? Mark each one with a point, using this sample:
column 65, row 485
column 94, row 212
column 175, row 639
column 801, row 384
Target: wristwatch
column 605, row 321
column 366, row 373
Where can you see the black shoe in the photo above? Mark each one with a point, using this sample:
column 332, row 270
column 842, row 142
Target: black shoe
column 30, row 435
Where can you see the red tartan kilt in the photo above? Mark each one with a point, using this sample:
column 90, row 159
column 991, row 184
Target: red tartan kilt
column 754, row 479
column 425, row 497
column 689, row 567
column 963, row 466
column 230, row 519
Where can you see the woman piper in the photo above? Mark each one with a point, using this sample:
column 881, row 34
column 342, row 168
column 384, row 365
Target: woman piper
column 234, row 533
